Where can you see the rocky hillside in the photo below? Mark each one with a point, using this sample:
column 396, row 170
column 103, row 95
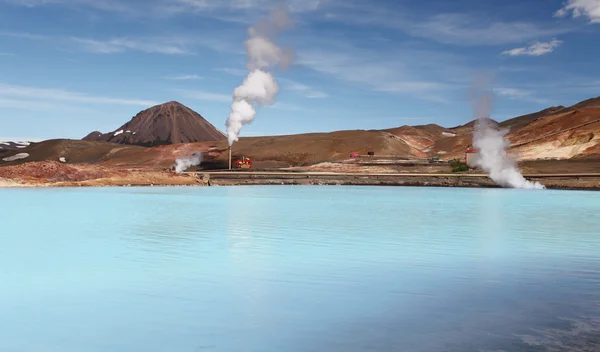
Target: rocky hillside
column 571, row 133
column 169, row 123
column 554, row 133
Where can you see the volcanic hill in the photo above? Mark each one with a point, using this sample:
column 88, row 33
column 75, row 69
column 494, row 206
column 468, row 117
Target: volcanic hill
column 553, row 133
column 169, row 123
column 570, row 134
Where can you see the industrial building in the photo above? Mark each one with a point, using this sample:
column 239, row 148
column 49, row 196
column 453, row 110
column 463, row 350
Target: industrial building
column 471, row 156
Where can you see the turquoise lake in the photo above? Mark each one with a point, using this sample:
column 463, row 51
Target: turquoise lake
column 286, row 269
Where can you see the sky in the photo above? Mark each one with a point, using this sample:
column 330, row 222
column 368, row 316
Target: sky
column 70, row 67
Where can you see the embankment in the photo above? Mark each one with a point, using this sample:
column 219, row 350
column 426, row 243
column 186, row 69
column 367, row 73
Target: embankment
column 564, row 181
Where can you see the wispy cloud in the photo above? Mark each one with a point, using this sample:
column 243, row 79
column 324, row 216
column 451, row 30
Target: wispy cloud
column 303, row 89
column 7, row 54
column 117, row 45
column 449, row 28
column 389, row 73
column 42, row 95
column 25, row 104
column 22, row 35
column 285, row 106
column 184, row 78
column 578, row 8
column 520, row 94
column 208, row 6
column 536, row 49
column 237, row 11
column 232, row 71
column 463, row 29
column 183, row 44
column 104, row 5
column 206, row 96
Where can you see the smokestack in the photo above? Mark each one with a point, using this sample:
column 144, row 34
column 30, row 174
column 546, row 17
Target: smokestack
column 491, row 145
column 229, row 158
column 259, row 88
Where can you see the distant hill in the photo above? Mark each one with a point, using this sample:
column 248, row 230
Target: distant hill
column 553, row 133
column 522, row 121
column 557, row 132
column 6, row 146
column 169, row 123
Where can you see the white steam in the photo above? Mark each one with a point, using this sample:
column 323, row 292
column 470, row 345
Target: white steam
column 183, row 164
column 259, row 88
column 492, row 149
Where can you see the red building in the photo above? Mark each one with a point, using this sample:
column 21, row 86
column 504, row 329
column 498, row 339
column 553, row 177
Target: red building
column 471, row 155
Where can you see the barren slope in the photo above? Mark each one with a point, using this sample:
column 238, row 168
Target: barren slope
column 421, row 138
column 554, row 133
column 168, row 123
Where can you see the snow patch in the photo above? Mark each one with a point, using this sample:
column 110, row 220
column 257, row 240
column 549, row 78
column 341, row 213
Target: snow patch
column 118, row 133
column 16, row 157
column 4, row 143
column 128, row 131
column 448, row 134
column 23, row 143
column 62, row 159
column 134, row 132
column 21, row 146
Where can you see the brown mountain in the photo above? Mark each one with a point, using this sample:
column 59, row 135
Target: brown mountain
column 169, row 123
column 571, row 133
column 557, row 132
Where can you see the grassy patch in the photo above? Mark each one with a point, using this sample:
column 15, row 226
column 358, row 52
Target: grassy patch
column 458, row 166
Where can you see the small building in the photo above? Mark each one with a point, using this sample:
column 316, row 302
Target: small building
column 244, row 163
column 471, row 156
column 371, row 153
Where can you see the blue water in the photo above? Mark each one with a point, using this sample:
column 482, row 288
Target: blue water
column 299, row 269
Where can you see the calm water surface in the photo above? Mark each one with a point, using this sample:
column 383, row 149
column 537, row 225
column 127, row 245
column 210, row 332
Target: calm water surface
column 298, row 269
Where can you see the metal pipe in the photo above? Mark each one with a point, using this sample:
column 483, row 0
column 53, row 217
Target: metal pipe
column 230, row 158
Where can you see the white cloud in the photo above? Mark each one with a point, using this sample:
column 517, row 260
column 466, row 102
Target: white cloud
column 536, row 49
column 303, row 89
column 578, row 8
column 44, row 94
column 184, row 78
column 520, row 94
column 117, row 45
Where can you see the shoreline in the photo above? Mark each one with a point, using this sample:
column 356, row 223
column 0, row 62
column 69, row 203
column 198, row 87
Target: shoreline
column 589, row 182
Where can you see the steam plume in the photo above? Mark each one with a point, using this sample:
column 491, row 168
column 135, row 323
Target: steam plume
column 259, row 88
column 492, row 147
column 183, row 164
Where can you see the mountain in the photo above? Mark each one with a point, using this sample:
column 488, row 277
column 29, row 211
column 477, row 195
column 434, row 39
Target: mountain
column 7, row 145
column 522, row 121
column 169, row 123
column 554, row 133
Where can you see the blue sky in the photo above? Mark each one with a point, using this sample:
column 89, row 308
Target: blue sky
column 68, row 67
